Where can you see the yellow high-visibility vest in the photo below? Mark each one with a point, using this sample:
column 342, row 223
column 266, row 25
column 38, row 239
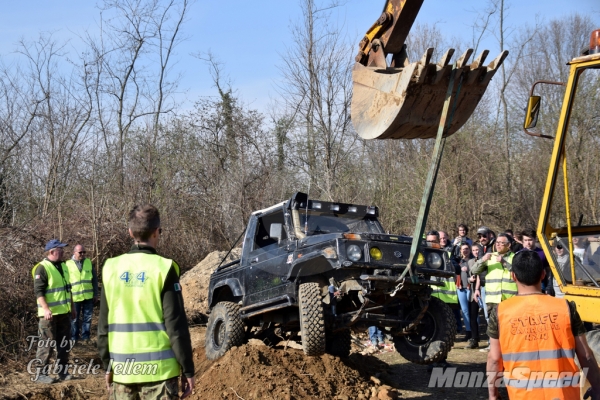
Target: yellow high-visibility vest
column 57, row 297
column 446, row 293
column 81, row 282
column 138, row 343
column 499, row 285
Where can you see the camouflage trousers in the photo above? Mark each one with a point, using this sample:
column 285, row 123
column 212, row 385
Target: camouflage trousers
column 56, row 331
column 164, row 390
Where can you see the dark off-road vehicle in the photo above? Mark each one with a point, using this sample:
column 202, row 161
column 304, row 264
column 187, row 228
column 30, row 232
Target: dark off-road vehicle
column 296, row 252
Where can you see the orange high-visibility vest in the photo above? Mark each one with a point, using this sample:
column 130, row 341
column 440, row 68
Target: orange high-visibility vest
column 538, row 348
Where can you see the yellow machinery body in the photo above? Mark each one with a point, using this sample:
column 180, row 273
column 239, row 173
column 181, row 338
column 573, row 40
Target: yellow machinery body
column 578, row 277
column 571, row 246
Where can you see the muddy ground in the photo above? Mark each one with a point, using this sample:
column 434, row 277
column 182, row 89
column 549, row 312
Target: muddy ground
column 255, row 371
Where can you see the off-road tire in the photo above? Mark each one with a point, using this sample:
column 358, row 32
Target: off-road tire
column 339, row 343
column 224, row 330
column 312, row 320
column 436, row 339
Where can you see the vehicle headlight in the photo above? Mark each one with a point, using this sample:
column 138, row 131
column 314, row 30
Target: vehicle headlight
column 434, row 260
column 376, row 254
column 354, row 253
column 420, row 259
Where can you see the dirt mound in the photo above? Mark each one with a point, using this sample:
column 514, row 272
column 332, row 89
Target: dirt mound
column 195, row 283
column 255, row 371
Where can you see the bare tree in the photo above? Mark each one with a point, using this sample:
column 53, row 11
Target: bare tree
column 130, row 62
column 60, row 120
column 317, row 89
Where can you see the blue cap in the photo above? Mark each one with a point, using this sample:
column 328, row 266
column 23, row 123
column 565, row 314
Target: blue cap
column 54, row 243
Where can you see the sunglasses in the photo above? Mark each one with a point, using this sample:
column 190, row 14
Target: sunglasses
column 81, row 252
column 559, row 246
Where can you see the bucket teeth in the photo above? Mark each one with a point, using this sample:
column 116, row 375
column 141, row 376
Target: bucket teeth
column 497, row 61
column 480, row 60
column 462, row 60
column 424, row 70
column 406, row 103
column 426, row 57
column 445, row 58
column 493, row 67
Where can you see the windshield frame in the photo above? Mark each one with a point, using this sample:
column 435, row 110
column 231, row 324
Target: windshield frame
column 545, row 228
column 547, row 232
column 324, row 222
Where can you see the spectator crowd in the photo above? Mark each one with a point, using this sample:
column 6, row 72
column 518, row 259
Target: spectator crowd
column 482, row 274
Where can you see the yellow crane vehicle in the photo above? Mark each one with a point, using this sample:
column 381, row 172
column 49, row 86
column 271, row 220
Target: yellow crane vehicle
column 569, row 224
column 394, row 98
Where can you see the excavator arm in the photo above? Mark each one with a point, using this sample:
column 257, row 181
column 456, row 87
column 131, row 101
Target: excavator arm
column 389, row 34
column 404, row 100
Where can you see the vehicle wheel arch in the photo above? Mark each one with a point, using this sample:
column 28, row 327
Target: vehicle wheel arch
column 226, row 290
column 311, row 265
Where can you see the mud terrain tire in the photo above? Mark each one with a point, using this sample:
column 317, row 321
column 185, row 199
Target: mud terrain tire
column 339, row 343
column 224, row 330
column 312, row 321
column 434, row 337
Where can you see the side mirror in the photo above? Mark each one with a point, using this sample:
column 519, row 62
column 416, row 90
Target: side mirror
column 533, row 110
column 275, row 231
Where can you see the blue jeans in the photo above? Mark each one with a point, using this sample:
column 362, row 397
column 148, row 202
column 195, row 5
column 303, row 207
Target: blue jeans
column 375, row 335
column 483, row 305
column 482, row 302
column 463, row 300
column 84, row 311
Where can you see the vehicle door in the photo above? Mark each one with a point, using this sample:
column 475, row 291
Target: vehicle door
column 268, row 260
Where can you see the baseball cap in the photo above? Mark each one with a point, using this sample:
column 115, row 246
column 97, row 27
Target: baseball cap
column 54, row 243
column 483, row 230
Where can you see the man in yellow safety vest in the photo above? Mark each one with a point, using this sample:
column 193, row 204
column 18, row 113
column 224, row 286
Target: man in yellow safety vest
column 446, row 293
column 499, row 283
column 497, row 266
column 55, row 309
column 84, row 289
column 143, row 335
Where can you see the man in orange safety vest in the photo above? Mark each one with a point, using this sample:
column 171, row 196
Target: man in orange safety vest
column 534, row 339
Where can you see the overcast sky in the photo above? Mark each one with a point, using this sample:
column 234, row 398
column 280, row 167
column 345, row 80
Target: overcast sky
column 249, row 37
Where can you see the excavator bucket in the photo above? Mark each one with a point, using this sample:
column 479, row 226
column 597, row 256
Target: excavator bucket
column 406, row 103
column 404, row 100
